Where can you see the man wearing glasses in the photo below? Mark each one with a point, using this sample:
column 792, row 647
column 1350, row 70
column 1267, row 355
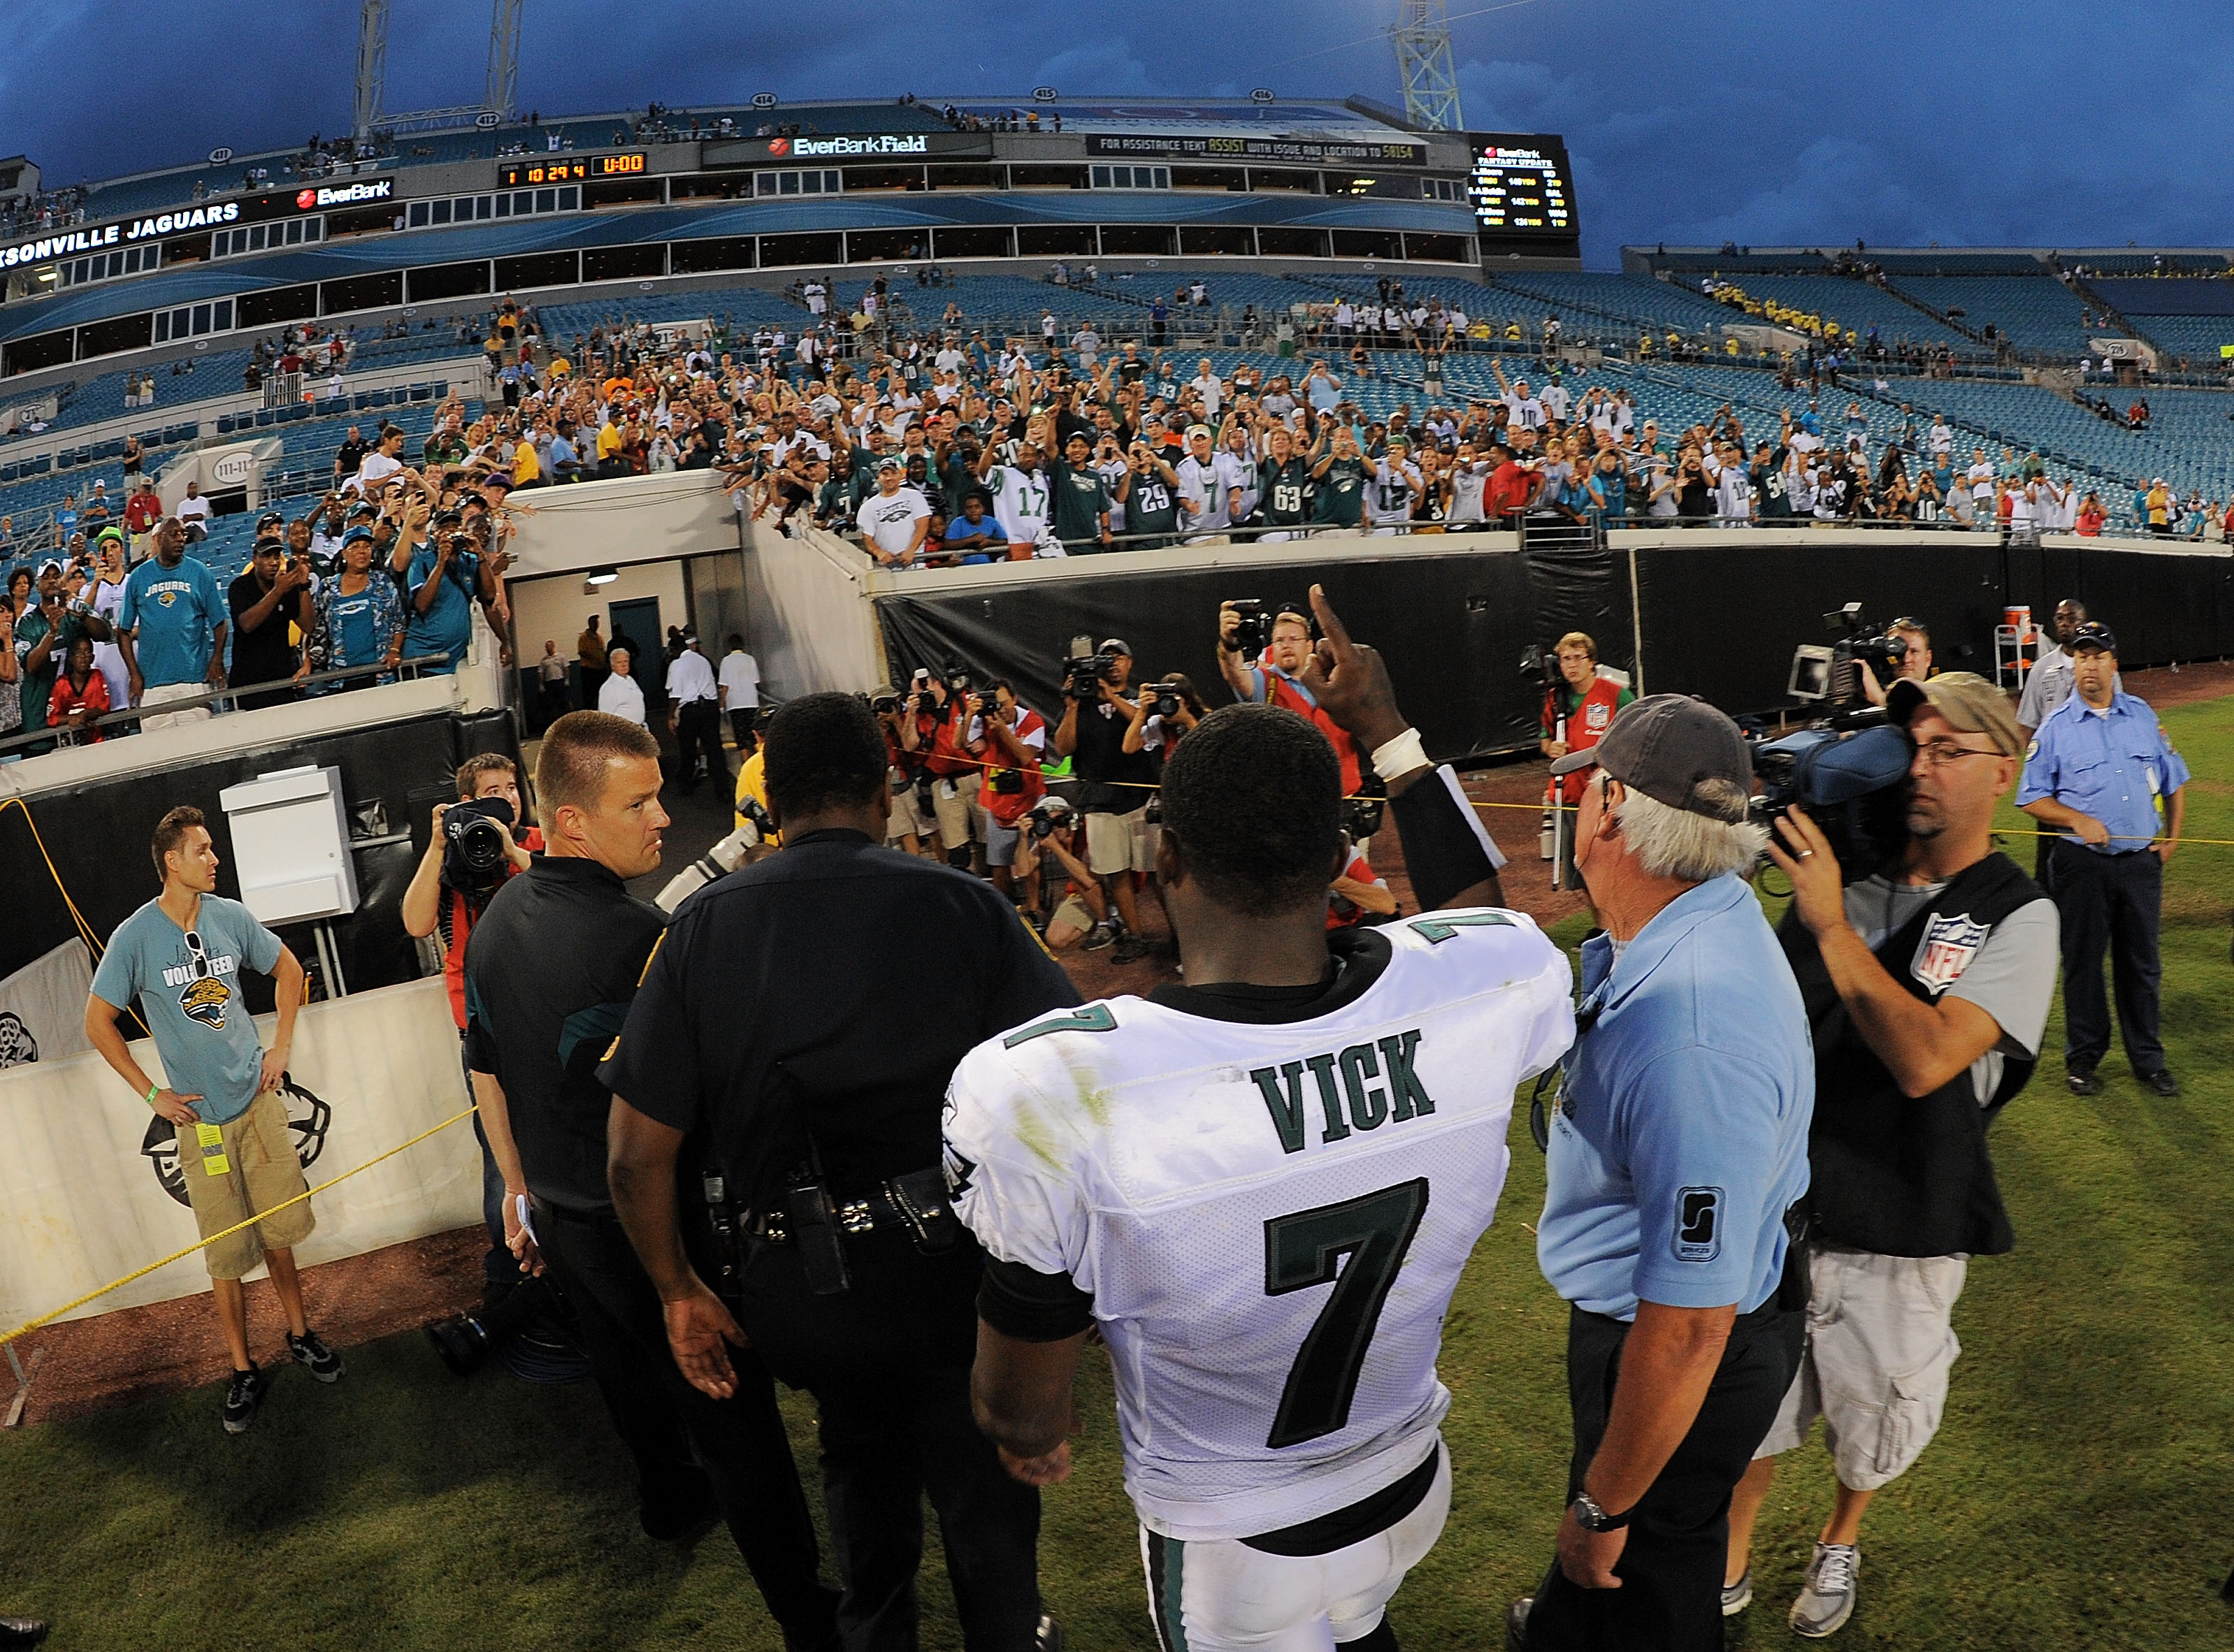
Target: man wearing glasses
column 182, row 955
column 1928, row 988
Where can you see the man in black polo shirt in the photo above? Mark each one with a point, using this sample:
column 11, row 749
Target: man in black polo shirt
column 273, row 593
column 550, row 970
column 1114, row 786
column 778, row 1021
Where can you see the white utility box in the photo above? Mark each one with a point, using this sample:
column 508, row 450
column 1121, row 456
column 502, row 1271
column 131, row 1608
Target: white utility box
column 291, row 845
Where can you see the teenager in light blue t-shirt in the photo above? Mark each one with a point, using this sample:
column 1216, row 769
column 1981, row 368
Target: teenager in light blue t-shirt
column 179, row 957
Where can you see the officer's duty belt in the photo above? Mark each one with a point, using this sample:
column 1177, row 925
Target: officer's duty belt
column 880, row 1207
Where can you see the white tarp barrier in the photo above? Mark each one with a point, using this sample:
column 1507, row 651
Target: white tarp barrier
column 43, row 1007
column 87, row 1183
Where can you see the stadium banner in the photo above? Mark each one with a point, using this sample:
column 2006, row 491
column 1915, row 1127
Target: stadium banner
column 282, row 203
column 797, row 148
column 1201, row 147
column 93, row 1189
column 43, row 1007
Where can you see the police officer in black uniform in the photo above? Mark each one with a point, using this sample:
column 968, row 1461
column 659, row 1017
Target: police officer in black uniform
column 549, row 969
column 805, row 1014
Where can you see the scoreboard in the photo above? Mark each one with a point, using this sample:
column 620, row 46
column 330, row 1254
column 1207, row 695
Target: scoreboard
column 568, row 169
column 1519, row 184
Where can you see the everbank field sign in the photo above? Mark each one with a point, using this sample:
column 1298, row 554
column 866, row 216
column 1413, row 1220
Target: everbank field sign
column 70, row 243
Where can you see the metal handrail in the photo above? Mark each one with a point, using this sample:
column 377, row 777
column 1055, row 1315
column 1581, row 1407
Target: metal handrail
column 407, row 670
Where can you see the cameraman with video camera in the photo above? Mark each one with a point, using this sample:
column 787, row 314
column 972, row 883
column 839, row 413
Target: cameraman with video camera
column 1915, row 657
column 1927, row 986
column 1114, row 785
column 474, row 845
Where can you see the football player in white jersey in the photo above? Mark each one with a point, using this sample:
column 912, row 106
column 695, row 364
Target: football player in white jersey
column 1261, row 1186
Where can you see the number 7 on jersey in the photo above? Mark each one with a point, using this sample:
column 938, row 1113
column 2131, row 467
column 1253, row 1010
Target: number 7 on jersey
column 1306, row 1248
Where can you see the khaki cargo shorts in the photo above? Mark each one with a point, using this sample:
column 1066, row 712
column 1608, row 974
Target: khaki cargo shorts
column 263, row 1170
column 1880, row 1345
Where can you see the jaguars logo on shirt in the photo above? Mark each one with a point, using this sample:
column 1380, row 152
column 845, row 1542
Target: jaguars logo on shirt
column 205, row 1001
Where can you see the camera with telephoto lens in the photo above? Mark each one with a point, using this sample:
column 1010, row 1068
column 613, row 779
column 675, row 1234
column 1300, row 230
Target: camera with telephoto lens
column 1084, row 674
column 1361, row 816
column 476, row 837
column 1168, row 700
column 1046, row 816
column 1832, row 673
column 1254, row 634
column 1851, row 774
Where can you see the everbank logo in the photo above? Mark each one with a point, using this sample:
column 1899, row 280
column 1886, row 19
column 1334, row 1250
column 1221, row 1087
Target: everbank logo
column 307, row 199
column 779, row 149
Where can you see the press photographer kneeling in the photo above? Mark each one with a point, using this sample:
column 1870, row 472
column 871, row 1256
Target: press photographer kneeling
column 1927, row 986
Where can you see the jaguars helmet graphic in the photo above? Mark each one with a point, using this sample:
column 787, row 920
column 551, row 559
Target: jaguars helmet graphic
column 205, row 1001
column 307, row 1119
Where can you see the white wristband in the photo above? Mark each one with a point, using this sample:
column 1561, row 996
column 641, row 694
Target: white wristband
column 1401, row 755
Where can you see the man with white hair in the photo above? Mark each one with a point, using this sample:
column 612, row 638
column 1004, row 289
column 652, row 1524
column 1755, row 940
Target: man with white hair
column 1677, row 1141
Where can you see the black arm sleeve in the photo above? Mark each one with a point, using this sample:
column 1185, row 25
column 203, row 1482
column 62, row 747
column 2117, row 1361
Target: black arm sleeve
column 1032, row 1307
column 1445, row 848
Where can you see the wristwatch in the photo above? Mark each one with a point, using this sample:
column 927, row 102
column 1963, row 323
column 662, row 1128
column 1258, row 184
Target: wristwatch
column 1588, row 1515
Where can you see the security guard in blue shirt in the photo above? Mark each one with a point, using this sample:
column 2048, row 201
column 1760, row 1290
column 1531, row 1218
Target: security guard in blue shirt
column 2102, row 769
column 1679, row 1143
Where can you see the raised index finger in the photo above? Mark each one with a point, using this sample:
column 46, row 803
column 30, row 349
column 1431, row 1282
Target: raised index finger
column 1330, row 623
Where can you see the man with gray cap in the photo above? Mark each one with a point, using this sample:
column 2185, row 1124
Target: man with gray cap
column 1928, row 987
column 1678, row 1142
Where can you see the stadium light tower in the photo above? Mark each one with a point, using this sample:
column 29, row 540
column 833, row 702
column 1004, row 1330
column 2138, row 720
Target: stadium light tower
column 504, row 58
column 371, row 65
column 1422, row 37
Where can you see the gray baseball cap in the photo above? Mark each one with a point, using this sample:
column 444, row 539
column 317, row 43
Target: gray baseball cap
column 1675, row 750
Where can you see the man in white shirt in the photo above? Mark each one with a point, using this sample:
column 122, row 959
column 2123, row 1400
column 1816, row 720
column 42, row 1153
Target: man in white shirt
column 1087, row 343
column 1393, row 493
column 193, row 513
column 1556, row 400
column 1210, row 487
column 1942, row 437
column 1021, row 501
column 694, row 716
column 383, row 462
column 1733, row 494
column 1523, row 410
column 895, row 520
column 1206, row 384
column 738, row 684
column 1272, row 1272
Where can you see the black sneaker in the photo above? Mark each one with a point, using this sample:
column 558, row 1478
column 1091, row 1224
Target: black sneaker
column 1516, row 1622
column 22, row 1631
column 2081, row 1080
column 1050, row 1637
column 1099, row 936
column 242, row 1396
column 310, row 1350
column 2160, row 1082
column 1131, row 949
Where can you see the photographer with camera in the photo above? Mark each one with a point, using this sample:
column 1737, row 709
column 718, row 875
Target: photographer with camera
column 1113, row 785
column 942, row 714
column 1056, row 831
column 473, row 846
column 1163, row 713
column 1578, row 707
column 912, row 824
column 1927, row 986
column 1008, row 738
column 1261, row 655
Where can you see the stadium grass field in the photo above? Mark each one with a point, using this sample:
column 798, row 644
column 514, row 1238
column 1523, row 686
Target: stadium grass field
column 2075, row 1497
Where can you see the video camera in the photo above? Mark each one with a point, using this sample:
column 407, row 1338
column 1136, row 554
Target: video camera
column 1851, row 774
column 1832, row 673
column 476, row 838
column 1084, row 674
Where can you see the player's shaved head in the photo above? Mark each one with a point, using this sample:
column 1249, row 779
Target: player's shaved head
column 1253, row 797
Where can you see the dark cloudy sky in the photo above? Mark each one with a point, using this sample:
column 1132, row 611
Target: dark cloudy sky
column 1899, row 122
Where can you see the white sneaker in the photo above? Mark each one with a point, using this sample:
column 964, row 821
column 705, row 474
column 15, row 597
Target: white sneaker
column 1827, row 1598
column 1738, row 1596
